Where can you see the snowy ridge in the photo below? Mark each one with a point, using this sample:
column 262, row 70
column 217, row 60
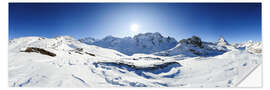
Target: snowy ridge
column 222, row 42
column 250, row 46
column 195, row 47
column 141, row 43
column 80, row 65
column 88, row 40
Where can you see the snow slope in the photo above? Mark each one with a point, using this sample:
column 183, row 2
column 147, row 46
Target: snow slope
column 80, row 65
column 141, row 43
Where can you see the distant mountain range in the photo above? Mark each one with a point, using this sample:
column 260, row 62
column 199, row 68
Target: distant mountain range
column 149, row 43
column 142, row 43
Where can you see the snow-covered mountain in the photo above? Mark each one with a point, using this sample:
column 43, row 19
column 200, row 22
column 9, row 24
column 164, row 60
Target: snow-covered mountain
column 88, row 40
column 194, row 46
column 54, row 62
column 66, row 62
column 59, row 44
column 250, row 46
column 222, row 42
column 142, row 43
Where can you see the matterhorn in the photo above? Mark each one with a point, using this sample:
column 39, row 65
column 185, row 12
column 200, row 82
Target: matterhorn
column 222, row 41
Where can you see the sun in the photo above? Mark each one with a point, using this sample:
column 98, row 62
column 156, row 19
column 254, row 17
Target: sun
column 134, row 27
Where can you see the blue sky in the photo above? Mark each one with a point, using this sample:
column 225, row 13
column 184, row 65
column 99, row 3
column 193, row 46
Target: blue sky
column 237, row 22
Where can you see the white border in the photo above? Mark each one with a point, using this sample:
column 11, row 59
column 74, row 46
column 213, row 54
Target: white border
column 253, row 80
column 4, row 36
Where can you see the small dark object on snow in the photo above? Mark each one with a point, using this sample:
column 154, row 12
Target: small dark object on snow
column 39, row 50
column 90, row 54
column 79, row 49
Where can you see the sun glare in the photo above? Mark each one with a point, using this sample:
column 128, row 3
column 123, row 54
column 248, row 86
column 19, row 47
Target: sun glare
column 134, row 27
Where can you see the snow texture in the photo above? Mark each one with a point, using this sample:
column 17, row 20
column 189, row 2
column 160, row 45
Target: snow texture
column 191, row 63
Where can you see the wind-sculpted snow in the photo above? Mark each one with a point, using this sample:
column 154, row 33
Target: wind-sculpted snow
column 80, row 65
column 155, row 69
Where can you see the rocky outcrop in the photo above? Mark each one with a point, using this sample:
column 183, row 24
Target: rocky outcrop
column 194, row 40
column 39, row 50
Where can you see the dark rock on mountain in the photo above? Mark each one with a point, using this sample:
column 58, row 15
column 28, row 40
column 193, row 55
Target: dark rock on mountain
column 194, row 40
column 39, row 50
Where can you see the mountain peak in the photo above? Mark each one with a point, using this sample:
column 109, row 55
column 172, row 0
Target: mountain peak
column 249, row 41
column 88, row 40
column 65, row 38
column 141, row 43
column 222, row 41
column 149, row 34
column 110, row 38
